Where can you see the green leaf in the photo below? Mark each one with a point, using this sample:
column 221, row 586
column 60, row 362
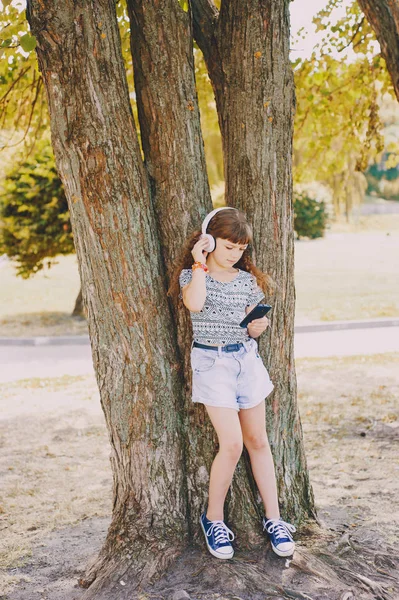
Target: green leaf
column 28, row 42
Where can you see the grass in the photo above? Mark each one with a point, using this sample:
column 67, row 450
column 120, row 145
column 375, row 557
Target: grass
column 352, row 273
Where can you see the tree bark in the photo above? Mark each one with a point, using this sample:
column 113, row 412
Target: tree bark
column 162, row 51
column 78, row 310
column 246, row 48
column 165, row 89
column 121, row 269
column 129, row 220
column 383, row 16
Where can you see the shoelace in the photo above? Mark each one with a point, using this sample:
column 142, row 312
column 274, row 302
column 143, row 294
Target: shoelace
column 280, row 528
column 221, row 531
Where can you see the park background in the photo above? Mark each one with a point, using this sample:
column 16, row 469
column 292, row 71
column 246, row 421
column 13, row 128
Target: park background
column 56, row 503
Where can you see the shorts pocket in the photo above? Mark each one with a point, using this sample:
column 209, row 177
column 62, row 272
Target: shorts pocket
column 255, row 348
column 201, row 362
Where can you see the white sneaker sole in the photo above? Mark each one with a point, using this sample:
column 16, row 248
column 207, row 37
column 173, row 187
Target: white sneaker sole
column 281, row 553
column 213, row 552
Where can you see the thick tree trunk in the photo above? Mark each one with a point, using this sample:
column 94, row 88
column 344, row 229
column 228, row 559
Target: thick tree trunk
column 167, row 106
column 159, row 441
column 161, row 43
column 129, row 221
column 121, row 270
column 246, row 48
column 383, row 16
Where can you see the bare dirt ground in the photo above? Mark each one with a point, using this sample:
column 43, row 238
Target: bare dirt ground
column 55, row 500
column 349, row 274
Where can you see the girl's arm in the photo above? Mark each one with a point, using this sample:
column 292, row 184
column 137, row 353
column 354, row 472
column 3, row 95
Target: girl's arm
column 194, row 293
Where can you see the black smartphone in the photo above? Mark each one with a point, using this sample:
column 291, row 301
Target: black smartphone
column 258, row 312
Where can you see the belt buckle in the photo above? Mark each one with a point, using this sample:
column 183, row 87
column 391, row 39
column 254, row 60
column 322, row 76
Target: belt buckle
column 232, row 347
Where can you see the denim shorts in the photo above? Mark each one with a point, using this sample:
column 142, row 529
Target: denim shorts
column 230, row 379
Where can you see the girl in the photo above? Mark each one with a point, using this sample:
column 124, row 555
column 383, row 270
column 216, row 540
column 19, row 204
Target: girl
column 219, row 288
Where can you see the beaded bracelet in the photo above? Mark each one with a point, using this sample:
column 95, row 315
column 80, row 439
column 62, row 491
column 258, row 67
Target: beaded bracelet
column 199, row 265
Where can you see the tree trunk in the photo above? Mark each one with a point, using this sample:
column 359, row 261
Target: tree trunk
column 175, row 160
column 121, row 269
column 246, row 48
column 78, row 310
column 129, row 219
column 383, row 16
column 165, row 90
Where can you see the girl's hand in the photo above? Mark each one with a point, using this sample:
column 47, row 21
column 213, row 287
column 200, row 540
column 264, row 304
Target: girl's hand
column 258, row 326
column 198, row 252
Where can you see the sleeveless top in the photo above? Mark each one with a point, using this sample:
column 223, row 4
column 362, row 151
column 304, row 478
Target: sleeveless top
column 224, row 308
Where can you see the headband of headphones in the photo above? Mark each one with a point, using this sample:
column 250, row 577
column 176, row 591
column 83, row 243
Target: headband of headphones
column 211, row 214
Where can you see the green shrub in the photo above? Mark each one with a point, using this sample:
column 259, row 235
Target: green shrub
column 34, row 215
column 310, row 216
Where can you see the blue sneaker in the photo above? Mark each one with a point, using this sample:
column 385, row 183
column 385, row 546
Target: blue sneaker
column 217, row 537
column 280, row 537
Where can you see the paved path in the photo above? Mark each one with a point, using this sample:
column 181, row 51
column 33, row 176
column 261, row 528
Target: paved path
column 379, row 207
column 54, row 357
column 23, row 362
column 347, row 342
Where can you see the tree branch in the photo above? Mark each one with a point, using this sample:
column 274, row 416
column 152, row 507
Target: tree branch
column 354, row 35
column 205, row 20
column 205, row 15
column 383, row 16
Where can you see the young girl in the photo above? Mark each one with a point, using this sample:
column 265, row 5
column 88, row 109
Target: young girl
column 219, row 286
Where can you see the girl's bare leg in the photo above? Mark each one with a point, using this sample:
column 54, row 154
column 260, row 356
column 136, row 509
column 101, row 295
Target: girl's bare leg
column 256, row 442
column 228, row 430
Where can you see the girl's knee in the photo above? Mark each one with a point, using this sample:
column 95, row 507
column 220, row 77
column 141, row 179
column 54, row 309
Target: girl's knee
column 256, row 442
column 232, row 448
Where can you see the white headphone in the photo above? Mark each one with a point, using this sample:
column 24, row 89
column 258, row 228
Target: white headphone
column 211, row 240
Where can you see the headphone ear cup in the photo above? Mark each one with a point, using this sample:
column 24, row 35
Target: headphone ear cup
column 211, row 245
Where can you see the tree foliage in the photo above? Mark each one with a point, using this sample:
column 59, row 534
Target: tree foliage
column 34, row 215
column 23, row 108
column 310, row 217
column 23, row 111
column 338, row 129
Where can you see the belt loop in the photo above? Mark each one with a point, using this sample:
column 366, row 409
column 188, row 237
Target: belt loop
column 219, row 351
column 192, row 344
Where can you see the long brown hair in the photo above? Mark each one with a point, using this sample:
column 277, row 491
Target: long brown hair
column 229, row 225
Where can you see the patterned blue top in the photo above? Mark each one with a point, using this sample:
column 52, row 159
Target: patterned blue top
column 224, row 308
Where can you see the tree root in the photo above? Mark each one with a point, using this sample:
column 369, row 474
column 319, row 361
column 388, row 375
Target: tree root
column 302, row 562
column 118, row 577
column 379, row 591
column 329, row 567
